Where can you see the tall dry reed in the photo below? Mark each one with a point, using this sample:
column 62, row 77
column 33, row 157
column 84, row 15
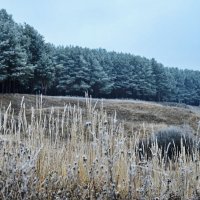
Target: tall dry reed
column 84, row 153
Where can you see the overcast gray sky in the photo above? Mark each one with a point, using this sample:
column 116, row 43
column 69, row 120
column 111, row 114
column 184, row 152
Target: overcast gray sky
column 167, row 30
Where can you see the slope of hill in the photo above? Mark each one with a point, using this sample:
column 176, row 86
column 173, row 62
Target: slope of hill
column 136, row 115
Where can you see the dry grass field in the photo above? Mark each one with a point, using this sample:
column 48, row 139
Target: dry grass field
column 132, row 112
column 77, row 148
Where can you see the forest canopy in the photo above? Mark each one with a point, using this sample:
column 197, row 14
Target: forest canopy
column 30, row 65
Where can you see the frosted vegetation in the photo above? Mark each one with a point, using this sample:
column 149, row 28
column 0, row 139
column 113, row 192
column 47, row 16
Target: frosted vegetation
column 74, row 153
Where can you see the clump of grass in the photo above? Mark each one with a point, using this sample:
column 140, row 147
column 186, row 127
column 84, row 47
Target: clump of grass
column 74, row 153
column 171, row 141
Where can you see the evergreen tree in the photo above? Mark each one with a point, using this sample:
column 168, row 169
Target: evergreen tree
column 100, row 83
column 161, row 80
column 44, row 73
column 13, row 57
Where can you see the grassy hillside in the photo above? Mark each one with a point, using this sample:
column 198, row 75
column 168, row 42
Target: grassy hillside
column 77, row 148
column 133, row 113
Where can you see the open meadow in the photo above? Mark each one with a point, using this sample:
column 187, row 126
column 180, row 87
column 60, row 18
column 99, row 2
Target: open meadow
column 84, row 148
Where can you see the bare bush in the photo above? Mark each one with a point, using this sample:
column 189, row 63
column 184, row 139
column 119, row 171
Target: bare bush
column 171, row 141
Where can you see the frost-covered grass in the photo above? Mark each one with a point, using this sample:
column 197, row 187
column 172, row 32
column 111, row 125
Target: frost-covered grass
column 71, row 153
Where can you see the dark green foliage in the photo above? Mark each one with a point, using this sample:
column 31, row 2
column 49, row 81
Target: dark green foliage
column 29, row 65
column 44, row 73
column 12, row 55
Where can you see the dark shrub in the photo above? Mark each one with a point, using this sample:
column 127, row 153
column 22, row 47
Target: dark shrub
column 169, row 142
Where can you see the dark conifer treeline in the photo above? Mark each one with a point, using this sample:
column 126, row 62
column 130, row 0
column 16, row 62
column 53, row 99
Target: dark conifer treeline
column 29, row 65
